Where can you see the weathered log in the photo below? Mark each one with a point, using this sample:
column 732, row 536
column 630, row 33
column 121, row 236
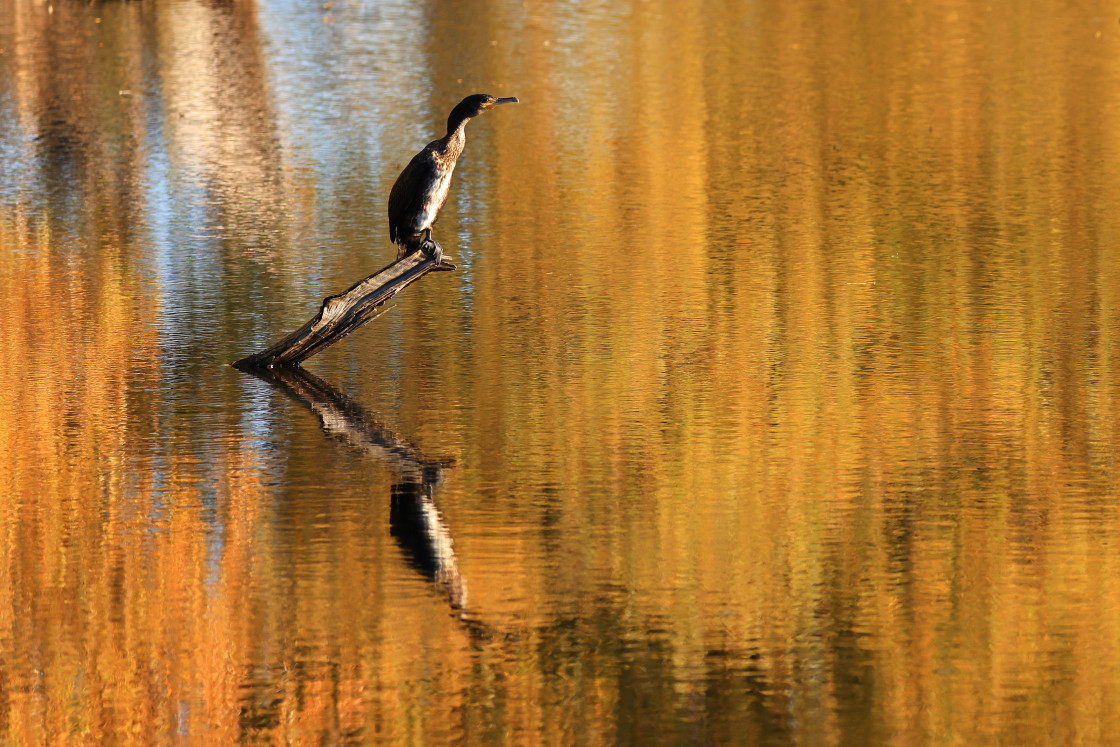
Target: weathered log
column 342, row 314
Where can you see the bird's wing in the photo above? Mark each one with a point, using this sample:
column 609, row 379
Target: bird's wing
column 407, row 195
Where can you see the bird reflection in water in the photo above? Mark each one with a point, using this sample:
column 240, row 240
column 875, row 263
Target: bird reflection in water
column 418, row 527
column 414, row 521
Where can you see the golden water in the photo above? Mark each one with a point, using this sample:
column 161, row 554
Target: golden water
column 776, row 396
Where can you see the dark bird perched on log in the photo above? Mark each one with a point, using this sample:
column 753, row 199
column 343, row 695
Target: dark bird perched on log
column 423, row 186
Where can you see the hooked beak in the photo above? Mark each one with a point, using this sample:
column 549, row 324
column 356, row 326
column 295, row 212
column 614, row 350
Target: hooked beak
column 506, row 100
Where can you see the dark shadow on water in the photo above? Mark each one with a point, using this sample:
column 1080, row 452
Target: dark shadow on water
column 414, row 521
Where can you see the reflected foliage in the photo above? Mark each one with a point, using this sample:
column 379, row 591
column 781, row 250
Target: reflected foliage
column 779, row 376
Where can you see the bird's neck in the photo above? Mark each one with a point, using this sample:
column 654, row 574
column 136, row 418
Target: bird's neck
column 454, row 140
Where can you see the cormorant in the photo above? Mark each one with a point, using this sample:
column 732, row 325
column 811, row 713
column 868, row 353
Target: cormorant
column 422, row 188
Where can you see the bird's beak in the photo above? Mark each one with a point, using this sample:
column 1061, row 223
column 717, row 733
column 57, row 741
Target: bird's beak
column 507, row 100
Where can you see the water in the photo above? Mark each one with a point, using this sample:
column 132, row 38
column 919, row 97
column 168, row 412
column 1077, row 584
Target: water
column 774, row 400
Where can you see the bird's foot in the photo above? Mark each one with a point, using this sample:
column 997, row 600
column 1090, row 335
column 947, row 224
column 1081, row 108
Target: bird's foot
column 432, row 248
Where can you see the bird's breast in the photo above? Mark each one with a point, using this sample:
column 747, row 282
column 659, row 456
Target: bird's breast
column 435, row 194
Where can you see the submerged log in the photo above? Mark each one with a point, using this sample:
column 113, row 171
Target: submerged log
column 342, row 314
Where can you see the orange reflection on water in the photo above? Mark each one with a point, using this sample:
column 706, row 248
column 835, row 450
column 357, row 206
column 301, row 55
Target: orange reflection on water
column 777, row 389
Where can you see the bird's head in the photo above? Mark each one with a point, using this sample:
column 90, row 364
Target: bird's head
column 472, row 106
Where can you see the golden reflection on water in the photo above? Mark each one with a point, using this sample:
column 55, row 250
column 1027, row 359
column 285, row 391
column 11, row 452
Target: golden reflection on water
column 776, row 395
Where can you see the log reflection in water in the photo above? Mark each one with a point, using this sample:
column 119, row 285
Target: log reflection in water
column 414, row 520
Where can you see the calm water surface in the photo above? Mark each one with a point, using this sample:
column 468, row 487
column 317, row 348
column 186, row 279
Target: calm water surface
column 775, row 400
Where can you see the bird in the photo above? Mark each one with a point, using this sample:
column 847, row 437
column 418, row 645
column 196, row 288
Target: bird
column 422, row 187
